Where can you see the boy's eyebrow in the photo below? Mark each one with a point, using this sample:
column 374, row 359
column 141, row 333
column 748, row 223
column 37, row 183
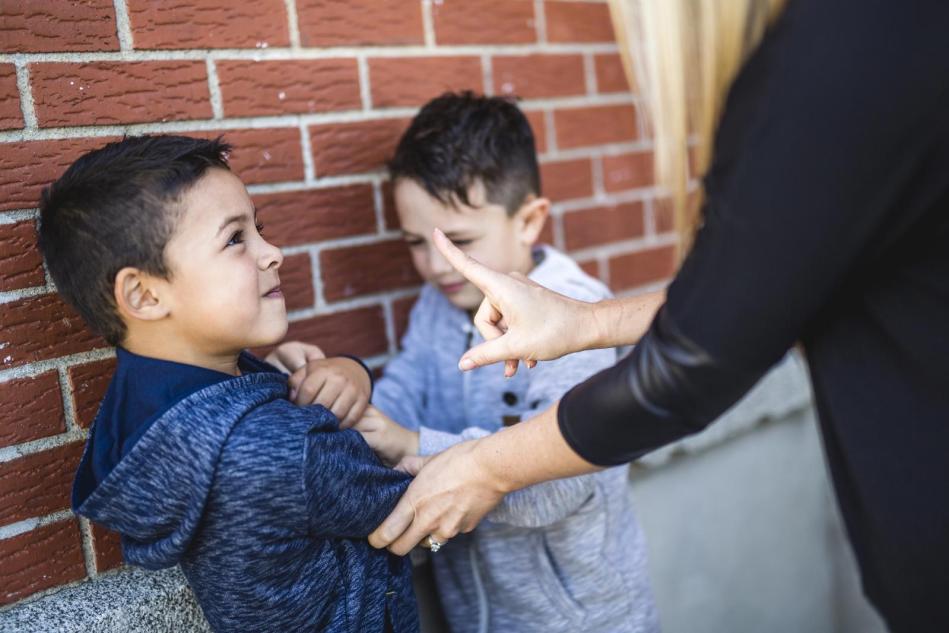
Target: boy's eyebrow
column 234, row 218
column 449, row 234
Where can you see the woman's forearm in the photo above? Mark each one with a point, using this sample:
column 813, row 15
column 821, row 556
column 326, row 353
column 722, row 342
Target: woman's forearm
column 503, row 456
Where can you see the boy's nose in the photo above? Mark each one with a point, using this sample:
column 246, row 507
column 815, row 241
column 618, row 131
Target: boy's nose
column 270, row 257
column 437, row 262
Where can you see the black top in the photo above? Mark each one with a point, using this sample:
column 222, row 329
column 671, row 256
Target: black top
column 826, row 222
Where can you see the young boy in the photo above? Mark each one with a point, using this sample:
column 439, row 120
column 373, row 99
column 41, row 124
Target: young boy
column 196, row 456
column 563, row 556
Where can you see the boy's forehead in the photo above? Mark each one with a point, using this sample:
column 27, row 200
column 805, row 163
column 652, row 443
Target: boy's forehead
column 415, row 204
column 217, row 195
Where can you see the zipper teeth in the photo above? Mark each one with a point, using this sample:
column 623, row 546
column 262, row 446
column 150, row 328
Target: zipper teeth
column 479, row 589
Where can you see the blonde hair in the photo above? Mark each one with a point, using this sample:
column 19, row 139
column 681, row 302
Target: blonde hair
column 684, row 56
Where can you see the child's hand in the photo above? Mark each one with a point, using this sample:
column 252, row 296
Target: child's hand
column 340, row 384
column 292, row 355
column 388, row 439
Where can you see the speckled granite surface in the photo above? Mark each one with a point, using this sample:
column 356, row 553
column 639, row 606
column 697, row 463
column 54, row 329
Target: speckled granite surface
column 127, row 601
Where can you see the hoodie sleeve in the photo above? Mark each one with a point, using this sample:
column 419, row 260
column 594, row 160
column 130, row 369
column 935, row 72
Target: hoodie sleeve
column 348, row 491
column 549, row 502
column 400, row 392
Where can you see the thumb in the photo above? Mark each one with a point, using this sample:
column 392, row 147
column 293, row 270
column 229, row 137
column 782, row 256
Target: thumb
column 487, row 353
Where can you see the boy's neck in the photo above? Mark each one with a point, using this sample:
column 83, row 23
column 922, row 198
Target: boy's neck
column 166, row 348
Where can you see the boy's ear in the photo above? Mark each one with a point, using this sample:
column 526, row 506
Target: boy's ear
column 138, row 296
column 532, row 216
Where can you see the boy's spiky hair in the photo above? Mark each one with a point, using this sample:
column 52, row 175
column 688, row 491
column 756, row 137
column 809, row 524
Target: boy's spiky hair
column 458, row 139
column 114, row 207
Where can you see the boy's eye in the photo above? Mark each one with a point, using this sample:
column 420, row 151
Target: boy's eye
column 236, row 238
column 260, row 228
column 461, row 242
column 413, row 243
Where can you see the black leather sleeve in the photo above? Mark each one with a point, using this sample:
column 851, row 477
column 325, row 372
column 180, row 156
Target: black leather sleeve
column 667, row 388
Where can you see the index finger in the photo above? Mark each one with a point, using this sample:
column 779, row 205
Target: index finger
column 477, row 273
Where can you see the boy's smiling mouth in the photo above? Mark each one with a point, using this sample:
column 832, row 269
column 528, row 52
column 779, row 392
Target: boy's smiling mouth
column 274, row 293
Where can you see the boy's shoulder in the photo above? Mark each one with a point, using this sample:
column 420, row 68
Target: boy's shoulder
column 560, row 273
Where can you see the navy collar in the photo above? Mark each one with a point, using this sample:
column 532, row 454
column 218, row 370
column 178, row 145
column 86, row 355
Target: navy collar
column 141, row 390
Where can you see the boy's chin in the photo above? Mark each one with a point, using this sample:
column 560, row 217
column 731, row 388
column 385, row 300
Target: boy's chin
column 275, row 332
column 465, row 300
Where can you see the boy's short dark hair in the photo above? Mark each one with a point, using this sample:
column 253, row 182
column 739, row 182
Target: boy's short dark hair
column 115, row 207
column 458, row 139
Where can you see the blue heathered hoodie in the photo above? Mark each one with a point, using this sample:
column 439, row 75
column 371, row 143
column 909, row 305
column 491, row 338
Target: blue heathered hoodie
column 265, row 505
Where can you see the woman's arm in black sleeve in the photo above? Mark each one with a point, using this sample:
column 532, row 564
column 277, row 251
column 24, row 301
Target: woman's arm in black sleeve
column 823, row 133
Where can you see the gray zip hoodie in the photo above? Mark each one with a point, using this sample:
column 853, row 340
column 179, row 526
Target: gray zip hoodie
column 566, row 555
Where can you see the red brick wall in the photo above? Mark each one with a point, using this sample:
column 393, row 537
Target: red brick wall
column 313, row 94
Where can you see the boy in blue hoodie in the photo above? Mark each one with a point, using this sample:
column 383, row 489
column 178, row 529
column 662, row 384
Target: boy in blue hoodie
column 197, row 457
column 559, row 557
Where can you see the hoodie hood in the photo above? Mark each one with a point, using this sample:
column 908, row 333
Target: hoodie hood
column 156, row 495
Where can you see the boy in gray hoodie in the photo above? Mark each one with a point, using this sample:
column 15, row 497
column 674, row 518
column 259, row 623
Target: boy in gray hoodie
column 567, row 555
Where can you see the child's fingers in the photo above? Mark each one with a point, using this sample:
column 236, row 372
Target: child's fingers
column 359, row 408
column 343, row 405
column 308, row 388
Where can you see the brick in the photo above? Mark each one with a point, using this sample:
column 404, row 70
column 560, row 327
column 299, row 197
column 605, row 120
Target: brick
column 21, row 264
column 252, row 88
column 401, row 308
column 41, row 328
column 566, row 180
column 596, row 125
column 361, row 332
column 578, row 22
column 539, row 128
column 263, row 155
column 344, row 148
column 312, row 215
column 38, row 484
column 358, row 270
column 102, row 93
column 32, row 408
column 465, row 22
column 539, row 76
column 628, row 171
column 10, row 115
column 296, row 281
column 208, row 24
column 355, row 22
column 610, row 74
column 46, row 27
column 107, row 547
column 642, row 267
column 40, row 559
column 602, row 225
column 89, row 383
column 411, row 81
column 27, row 166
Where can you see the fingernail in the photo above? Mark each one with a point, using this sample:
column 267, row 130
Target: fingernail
column 466, row 364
